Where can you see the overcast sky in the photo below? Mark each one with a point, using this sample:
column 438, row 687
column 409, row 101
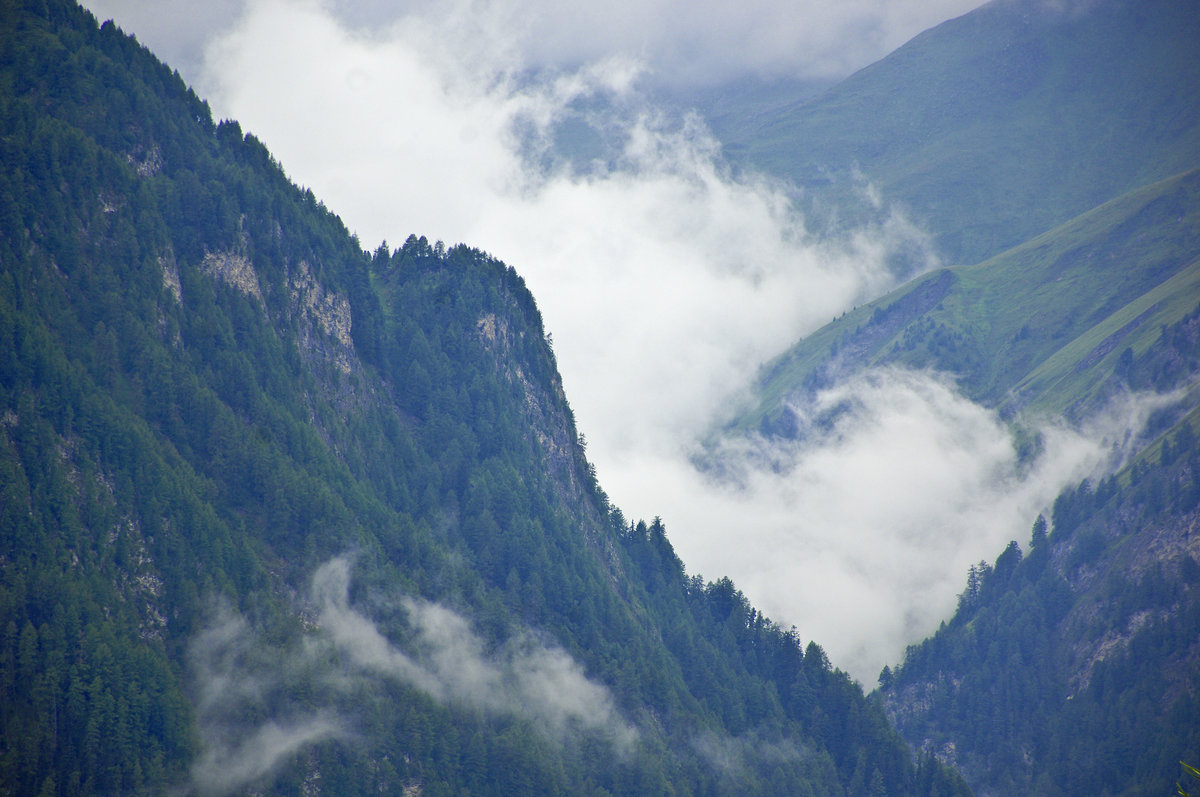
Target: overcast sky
column 665, row 280
column 695, row 42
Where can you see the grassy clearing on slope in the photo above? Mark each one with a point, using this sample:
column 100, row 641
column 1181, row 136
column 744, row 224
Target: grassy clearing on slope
column 1039, row 326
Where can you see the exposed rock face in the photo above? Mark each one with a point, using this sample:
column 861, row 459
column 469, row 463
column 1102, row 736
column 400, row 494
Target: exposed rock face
column 170, row 276
column 232, row 269
column 146, row 162
column 320, row 310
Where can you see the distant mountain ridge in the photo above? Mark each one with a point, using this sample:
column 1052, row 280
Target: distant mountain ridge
column 1042, row 326
column 1001, row 124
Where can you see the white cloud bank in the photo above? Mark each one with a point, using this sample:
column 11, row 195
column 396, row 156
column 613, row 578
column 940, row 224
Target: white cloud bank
column 861, row 533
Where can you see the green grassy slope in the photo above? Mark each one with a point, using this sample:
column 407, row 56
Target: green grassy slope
column 1003, row 123
column 1042, row 326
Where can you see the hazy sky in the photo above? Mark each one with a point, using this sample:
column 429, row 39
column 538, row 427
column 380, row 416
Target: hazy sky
column 694, row 42
column 665, row 280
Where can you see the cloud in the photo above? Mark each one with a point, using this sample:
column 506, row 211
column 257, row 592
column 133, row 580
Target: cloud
column 447, row 660
column 710, row 41
column 861, row 533
column 665, row 279
column 238, row 681
column 224, row 768
column 682, row 43
column 736, row 755
column 258, row 704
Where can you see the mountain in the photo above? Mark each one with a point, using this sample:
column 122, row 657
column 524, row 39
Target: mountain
column 1052, row 151
column 1071, row 664
column 1074, row 668
column 1051, row 326
column 281, row 515
column 994, row 127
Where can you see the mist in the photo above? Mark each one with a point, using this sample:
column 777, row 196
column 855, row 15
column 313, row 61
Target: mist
column 860, row 532
column 666, row 279
column 260, row 703
column 244, row 692
column 447, row 660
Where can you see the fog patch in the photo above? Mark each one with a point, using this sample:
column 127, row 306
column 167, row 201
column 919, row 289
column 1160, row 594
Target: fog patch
column 249, row 723
column 259, row 703
column 735, row 755
column 860, row 533
column 446, row 659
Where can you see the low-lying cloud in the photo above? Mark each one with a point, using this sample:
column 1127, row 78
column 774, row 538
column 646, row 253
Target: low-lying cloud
column 258, row 705
column 447, row 660
column 238, row 679
column 860, row 533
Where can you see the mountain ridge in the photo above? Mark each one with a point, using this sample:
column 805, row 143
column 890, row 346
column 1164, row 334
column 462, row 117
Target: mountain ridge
column 281, row 515
column 1013, row 326
column 1070, row 666
column 1002, row 123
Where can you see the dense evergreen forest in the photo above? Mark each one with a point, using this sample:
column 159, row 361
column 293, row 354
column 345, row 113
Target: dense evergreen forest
column 281, row 515
column 1070, row 666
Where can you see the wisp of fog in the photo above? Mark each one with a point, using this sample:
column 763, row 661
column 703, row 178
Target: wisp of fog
column 257, row 704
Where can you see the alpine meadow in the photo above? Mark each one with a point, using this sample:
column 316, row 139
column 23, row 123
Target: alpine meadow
column 883, row 325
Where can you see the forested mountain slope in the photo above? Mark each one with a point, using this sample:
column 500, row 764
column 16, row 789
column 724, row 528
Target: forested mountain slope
column 1055, row 146
column 1072, row 669
column 278, row 515
column 1075, row 668
column 996, row 126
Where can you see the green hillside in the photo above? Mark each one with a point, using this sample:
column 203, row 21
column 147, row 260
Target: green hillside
column 999, row 125
column 1071, row 664
column 281, row 516
column 1073, row 669
column 1042, row 327
column 1054, row 147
